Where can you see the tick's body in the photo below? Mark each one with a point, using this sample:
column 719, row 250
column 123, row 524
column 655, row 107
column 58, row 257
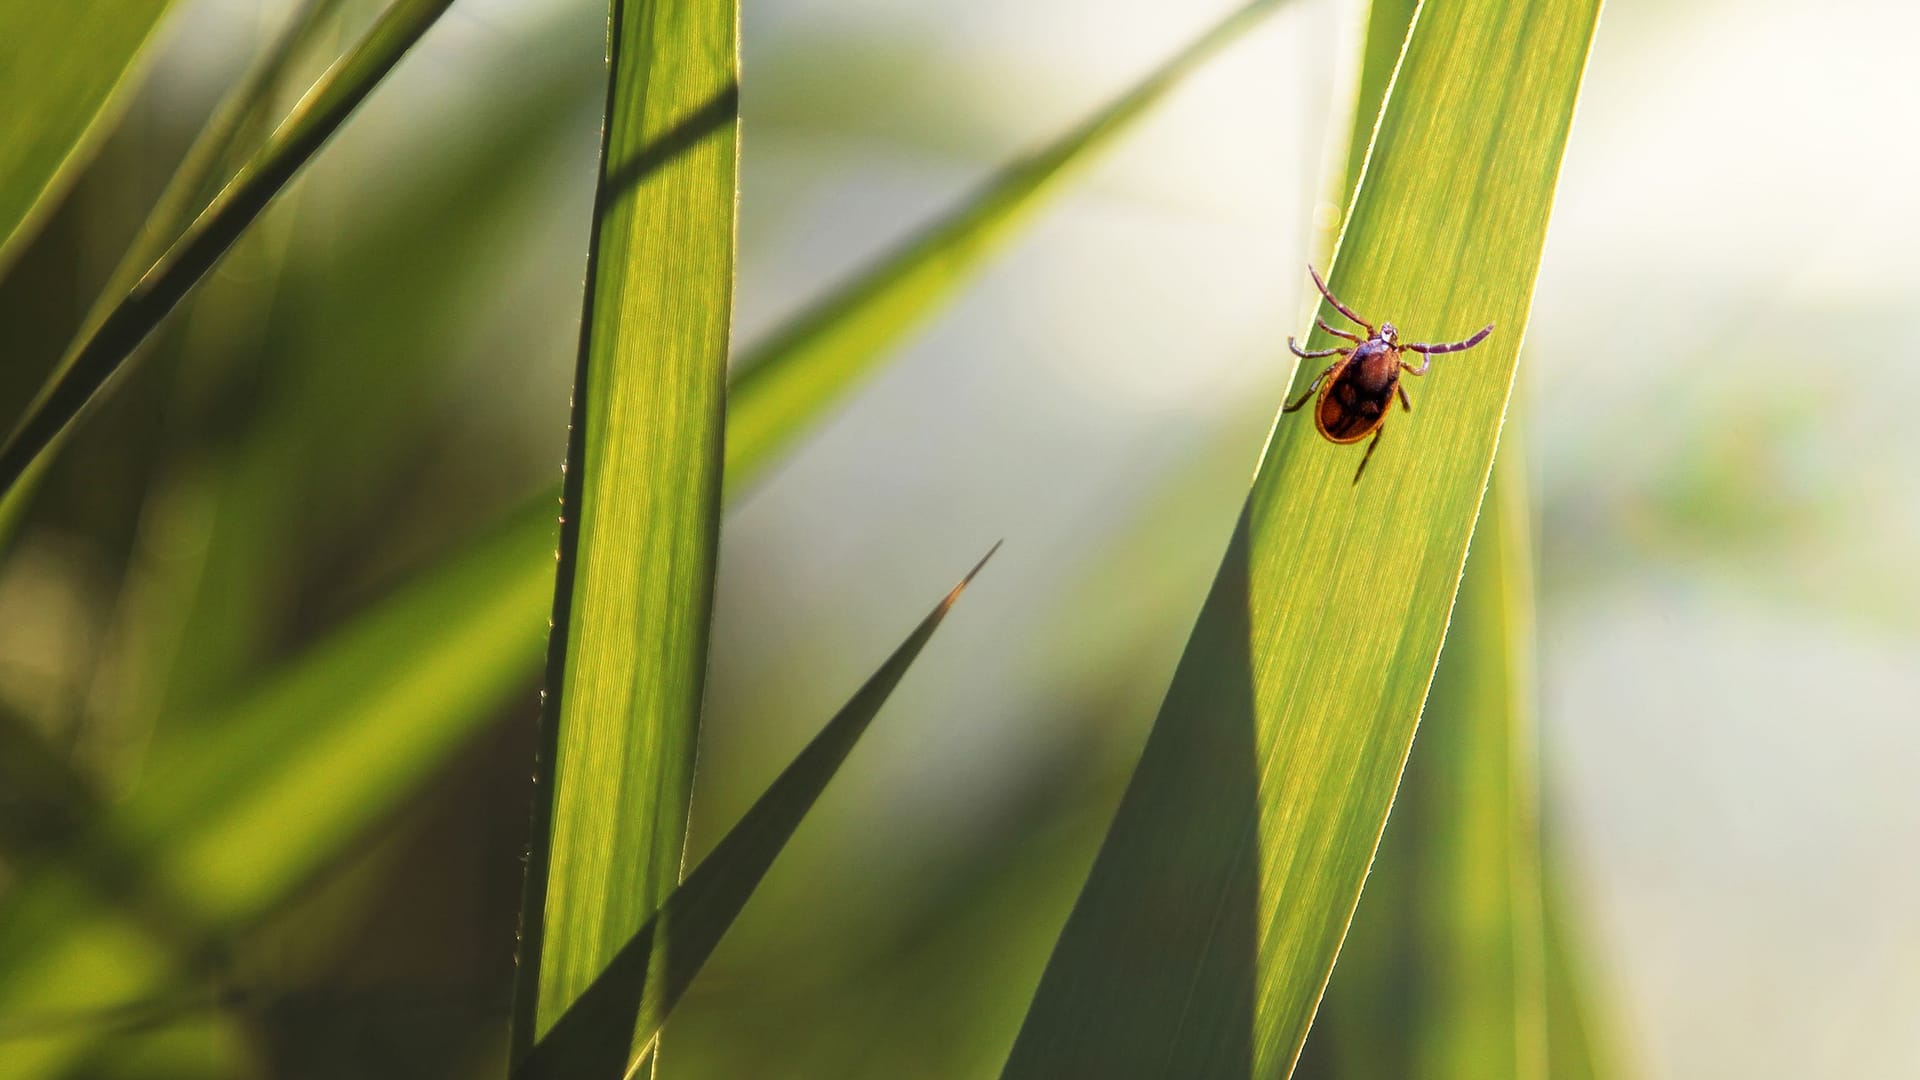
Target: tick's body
column 1358, row 389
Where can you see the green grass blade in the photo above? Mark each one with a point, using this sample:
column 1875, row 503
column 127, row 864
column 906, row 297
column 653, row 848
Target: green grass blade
column 102, row 351
column 786, row 383
column 641, row 509
column 198, row 177
column 1387, row 25
column 60, row 65
column 1441, row 974
column 630, row 999
column 1208, row 927
column 232, row 821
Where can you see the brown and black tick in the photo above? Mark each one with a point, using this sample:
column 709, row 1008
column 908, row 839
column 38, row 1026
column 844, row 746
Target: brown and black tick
column 1357, row 389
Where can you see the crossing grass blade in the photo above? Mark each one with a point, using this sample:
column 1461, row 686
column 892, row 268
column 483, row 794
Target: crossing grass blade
column 785, row 384
column 1441, row 975
column 106, row 346
column 61, row 108
column 234, row 820
column 197, row 179
column 61, row 67
column 626, row 1004
column 641, row 509
column 1209, row 925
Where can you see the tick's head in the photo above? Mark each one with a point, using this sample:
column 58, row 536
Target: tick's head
column 1389, row 334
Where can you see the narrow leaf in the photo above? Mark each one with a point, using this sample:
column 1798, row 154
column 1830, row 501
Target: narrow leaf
column 199, row 175
column 641, row 514
column 60, row 67
column 595, row 1036
column 788, row 382
column 103, row 349
column 1210, row 922
column 1387, row 25
column 1441, row 975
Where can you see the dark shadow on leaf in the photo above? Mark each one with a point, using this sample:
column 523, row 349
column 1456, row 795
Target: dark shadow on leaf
column 719, row 111
column 1169, row 969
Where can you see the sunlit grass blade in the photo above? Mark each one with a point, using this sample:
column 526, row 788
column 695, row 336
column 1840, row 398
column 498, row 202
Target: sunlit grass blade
column 1211, row 919
column 102, row 350
column 787, row 382
column 641, row 510
column 631, row 998
column 233, row 820
column 60, row 65
column 1441, row 974
column 1387, row 25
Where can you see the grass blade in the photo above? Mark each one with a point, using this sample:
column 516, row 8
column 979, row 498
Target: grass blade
column 1387, row 25
column 641, row 514
column 101, row 351
column 595, row 1036
column 197, row 179
column 1208, row 927
column 60, row 68
column 786, row 383
column 1441, row 974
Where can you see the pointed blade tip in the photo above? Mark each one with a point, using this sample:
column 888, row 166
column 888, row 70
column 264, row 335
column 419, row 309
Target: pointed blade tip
column 947, row 604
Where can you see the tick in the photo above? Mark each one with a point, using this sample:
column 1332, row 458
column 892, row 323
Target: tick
column 1357, row 389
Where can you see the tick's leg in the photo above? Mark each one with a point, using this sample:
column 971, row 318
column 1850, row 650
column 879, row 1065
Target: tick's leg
column 1368, row 456
column 1349, row 335
column 1454, row 346
column 1311, row 387
column 1425, row 363
column 1404, row 403
column 1316, row 354
column 1335, row 301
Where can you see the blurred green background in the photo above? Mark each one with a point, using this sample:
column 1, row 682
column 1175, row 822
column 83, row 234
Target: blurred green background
column 1723, row 492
